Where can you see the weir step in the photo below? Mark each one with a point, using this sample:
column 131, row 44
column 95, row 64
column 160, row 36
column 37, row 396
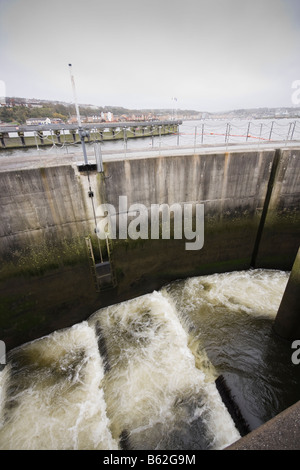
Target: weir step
column 229, row 393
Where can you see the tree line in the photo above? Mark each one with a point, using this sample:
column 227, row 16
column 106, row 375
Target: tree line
column 19, row 114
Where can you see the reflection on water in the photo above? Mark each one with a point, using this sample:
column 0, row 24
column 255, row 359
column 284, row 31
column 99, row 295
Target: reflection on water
column 141, row 374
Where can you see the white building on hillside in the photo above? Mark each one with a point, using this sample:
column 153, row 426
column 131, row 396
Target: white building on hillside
column 38, row 121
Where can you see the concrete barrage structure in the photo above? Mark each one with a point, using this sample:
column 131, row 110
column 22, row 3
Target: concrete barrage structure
column 251, row 219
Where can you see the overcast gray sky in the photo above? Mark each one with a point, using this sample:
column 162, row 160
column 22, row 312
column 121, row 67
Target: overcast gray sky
column 212, row 55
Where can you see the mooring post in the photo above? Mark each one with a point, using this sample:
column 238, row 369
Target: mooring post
column 248, row 131
column 287, row 321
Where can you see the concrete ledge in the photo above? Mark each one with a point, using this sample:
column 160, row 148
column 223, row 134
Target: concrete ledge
column 280, row 433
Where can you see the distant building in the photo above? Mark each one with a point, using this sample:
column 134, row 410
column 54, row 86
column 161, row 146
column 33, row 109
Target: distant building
column 57, row 121
column 38, row 121
column 12, row 102
column 163, row 117
column 107, row 116
column 34, row 105
column 94, row 118
column 137, row 117
column 73, row 120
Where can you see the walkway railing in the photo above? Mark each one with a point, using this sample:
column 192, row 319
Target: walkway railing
column 191, row 136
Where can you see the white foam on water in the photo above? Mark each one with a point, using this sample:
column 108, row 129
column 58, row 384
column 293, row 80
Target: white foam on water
column 155, row 383
column 153, row 370
column 58, row 402
column 255, row 292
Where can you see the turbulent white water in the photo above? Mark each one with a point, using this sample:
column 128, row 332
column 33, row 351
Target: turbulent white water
column 137, row 374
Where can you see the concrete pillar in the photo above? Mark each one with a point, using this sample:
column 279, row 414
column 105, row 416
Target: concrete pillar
column 287, row 321
column 73, row 135
column 2, row 139
column 40, row 136
column 21, row 135
column 57, row 133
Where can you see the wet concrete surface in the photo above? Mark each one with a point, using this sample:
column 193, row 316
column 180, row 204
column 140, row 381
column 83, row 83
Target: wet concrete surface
column 280, row 433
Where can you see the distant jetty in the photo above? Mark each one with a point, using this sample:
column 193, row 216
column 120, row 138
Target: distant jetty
column 23, row 136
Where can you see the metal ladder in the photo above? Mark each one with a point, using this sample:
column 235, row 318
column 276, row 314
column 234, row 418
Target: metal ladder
column 93, row 265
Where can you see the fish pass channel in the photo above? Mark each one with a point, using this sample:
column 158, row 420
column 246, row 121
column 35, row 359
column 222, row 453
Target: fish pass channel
column 141, row 374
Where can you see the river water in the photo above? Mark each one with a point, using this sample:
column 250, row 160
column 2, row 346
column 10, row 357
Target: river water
column 141, row 374
column 191, row 134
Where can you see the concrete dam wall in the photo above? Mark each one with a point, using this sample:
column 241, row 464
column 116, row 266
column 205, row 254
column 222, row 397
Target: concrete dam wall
column 251, row 205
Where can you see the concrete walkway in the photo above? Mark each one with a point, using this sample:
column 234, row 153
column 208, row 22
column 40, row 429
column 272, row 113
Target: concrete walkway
column 280, row 433
column 34, row 158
